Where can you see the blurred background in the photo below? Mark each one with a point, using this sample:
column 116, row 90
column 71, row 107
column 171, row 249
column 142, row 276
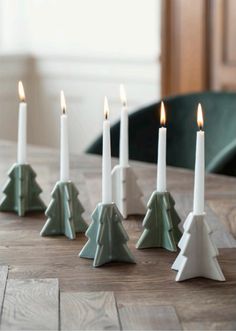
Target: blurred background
column 87, row 48
column 157, row 49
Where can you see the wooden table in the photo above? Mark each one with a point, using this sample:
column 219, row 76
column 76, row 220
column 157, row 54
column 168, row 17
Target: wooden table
column 115, row 296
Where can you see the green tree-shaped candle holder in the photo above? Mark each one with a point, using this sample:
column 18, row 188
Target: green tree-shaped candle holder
column 64, row 212
column 21, row 191
column 160, row 223
column 107, row 237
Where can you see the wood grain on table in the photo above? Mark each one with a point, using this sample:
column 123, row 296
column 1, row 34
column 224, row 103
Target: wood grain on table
column 117, row 295
column 31, row 304
column 148, row 317
column 89, row 311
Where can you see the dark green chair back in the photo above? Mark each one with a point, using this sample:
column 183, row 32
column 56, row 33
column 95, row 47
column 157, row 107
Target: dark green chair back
column 219, row 124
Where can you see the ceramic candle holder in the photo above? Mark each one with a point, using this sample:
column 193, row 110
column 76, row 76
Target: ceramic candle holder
column 107, row 237
column 160, row 223
column 197, row 257
column 22, row 191
column 64, row 212
column 126, row 192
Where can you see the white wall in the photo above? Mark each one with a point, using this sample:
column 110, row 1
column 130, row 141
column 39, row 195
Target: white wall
column 124, row 28
column 86, row 48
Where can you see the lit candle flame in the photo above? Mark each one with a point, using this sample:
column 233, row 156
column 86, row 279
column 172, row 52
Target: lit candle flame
column 21, row 91
column 106, row 108
column 163, row 114
column 199, row 116
column 123, row 95
column 63, row 103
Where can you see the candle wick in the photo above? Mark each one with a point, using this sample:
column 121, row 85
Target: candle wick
column 63, row 110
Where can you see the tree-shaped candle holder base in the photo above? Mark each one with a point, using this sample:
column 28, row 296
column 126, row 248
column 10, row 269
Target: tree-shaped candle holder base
column 198, row 255
column 160, row 223
column 126, row 193
column 22, row 191
column 64, row 212
column 107, row 237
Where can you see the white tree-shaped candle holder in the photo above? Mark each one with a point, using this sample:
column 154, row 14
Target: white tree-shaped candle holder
column 197, row 257
column 126, row 192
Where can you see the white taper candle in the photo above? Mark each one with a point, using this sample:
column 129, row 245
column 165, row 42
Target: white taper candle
column 161, row 160
column 106, row 158
column 64, row 144
column 199, row 179
column 124, row 130
column 22, row 127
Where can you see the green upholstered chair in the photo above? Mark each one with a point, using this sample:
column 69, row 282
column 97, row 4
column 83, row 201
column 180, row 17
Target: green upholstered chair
column 219, row 124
